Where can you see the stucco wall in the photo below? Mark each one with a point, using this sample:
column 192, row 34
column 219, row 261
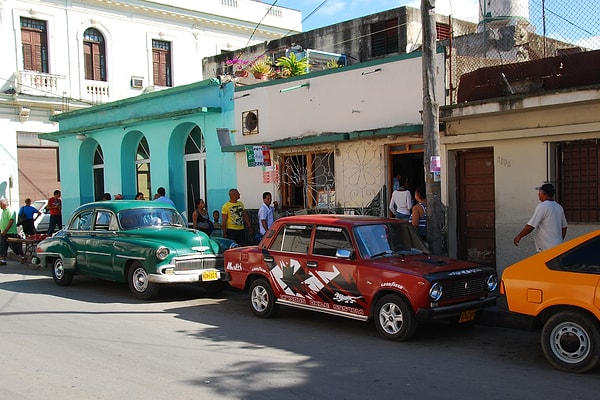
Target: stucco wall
column 520, row 133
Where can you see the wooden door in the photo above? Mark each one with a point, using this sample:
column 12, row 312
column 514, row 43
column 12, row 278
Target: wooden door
column 476, row 206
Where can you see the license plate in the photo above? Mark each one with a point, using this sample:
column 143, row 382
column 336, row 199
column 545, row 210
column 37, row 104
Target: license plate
column 210, row 276
column 467, row 316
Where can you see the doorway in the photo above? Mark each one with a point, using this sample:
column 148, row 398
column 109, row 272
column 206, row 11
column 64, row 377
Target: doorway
column 476, row 211
column 406, row 160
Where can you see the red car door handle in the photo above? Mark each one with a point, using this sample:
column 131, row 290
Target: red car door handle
column 311, row 264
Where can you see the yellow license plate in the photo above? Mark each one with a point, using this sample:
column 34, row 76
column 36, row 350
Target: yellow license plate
column 210, row 276
column 467, row 316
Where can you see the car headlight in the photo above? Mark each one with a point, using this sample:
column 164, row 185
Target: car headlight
column 162, row 253
column 492, row 283
column 436, row 291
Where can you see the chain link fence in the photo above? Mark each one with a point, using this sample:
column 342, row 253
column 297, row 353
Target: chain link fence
column 517, row 31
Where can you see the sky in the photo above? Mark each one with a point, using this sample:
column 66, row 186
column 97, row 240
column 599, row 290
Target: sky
column 573, row 20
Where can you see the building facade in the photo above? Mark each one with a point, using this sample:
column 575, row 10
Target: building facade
column 63, row 56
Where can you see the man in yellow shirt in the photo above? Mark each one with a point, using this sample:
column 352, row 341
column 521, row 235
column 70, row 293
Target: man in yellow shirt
column 234, row 216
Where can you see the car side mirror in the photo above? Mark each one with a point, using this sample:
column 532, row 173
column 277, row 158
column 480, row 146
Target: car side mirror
column 344, row 253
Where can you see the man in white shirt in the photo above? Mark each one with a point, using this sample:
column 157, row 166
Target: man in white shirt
column 266, row 213
column 548, row 222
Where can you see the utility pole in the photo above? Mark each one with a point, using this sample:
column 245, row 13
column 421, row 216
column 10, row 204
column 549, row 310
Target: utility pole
column 431, row 133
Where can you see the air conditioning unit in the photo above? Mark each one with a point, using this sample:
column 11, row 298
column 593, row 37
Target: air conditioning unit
column 250, row 122
column 137, row 82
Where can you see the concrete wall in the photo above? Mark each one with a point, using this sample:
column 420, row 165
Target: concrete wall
column 519, row 129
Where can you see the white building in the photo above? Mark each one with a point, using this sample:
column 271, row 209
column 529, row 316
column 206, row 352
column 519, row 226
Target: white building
column 60, row 56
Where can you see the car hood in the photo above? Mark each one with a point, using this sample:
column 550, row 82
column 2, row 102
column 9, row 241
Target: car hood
column 425, row 264
column 181, row 239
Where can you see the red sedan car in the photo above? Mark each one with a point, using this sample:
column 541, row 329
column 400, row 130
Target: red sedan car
column 358, row 267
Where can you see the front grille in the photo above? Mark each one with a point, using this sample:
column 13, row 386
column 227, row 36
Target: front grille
column 462, row 288
column 192, row 264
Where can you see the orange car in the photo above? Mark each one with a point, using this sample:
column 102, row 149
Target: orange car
column 560, row 289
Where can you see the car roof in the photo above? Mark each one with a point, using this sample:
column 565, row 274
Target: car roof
column 119, row 205
column 337, row 219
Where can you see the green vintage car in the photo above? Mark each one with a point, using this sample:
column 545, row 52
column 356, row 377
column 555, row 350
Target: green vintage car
column 143, row 243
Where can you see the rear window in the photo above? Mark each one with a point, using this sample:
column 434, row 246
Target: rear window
column 293, row 239
column 584, row 258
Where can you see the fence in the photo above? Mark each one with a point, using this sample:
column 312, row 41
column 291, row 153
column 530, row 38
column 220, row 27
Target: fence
column 525, row 30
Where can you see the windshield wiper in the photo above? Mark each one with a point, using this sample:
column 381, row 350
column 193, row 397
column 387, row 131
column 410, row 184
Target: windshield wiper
column 407, row 252
column 383, row 253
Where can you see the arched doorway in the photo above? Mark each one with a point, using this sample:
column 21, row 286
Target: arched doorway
column 142, row 168
column 195, row 170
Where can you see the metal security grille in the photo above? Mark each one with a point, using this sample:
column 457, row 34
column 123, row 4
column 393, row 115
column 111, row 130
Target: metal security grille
column 578, row 183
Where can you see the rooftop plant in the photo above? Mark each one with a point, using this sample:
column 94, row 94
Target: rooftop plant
column 293, row 65
column 261, row 66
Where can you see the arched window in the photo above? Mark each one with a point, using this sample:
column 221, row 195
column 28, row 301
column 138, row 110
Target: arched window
column 142, row 168
column 195, row 142
column 98, row 173
column 94, row 55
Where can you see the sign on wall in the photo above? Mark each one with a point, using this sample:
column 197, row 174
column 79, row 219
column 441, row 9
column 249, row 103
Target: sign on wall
column 258, row 156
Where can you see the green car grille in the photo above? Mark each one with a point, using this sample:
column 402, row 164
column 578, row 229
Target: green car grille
column 199, row 263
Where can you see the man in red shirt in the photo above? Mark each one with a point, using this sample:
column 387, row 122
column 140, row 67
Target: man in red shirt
column 55, row 208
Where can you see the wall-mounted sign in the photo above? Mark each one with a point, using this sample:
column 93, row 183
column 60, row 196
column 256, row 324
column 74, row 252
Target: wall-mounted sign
column 258, row 156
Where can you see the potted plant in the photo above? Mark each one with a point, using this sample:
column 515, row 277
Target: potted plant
column 238, row 66
column 261, row 68
column 293, row 65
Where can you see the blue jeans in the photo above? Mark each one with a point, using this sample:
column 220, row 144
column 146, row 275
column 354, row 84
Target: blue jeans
column 402, row 216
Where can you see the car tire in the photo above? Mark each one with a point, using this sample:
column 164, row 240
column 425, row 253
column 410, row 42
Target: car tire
column 262, row 299
column 394, row 318
column 571, row 341
column 60, row 275
column 139, row 285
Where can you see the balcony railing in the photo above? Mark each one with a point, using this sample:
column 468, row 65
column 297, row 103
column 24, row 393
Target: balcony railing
column 96, row 92
column 40, row 84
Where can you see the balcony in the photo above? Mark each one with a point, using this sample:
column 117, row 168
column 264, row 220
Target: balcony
column 40, row 84
column 96, row 91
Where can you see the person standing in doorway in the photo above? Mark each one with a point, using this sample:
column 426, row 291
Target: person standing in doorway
column 139, row 196
column 55, row 209
column 266, row 213
column 548, row 222
column 401, row 202
column 162, row 197
column 234, row 216
column 418, row 217
column 8, row 229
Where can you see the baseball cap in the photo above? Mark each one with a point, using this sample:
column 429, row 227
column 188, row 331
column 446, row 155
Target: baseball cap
column 547, row 188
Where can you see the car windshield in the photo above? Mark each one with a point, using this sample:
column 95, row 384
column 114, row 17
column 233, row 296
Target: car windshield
column 145, row 217
column 388, row 239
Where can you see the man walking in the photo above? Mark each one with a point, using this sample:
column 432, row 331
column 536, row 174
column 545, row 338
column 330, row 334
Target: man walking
column 55, row 208
column 548, row 223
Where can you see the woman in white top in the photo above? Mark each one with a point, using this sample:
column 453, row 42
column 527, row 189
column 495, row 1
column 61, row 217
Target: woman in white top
column 401, row 202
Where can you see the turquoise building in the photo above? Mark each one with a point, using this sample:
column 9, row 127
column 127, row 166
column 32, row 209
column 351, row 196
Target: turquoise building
column 166, row 138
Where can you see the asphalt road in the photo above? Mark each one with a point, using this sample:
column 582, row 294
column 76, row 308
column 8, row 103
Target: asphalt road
column 92, row 340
